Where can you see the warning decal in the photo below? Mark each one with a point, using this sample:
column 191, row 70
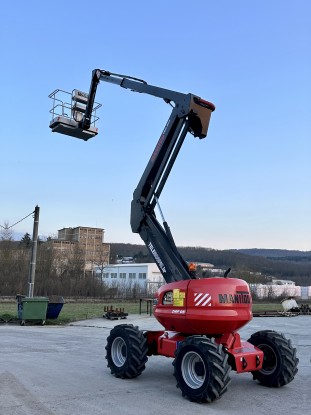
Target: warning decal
column 202, row 300
column 178, row 298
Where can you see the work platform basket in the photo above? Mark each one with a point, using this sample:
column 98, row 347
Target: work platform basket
column 68, row 111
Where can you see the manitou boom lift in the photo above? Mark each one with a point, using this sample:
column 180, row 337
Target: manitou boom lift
column 200, row 316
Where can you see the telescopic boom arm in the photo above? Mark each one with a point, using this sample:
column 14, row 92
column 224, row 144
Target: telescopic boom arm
column 191, row 114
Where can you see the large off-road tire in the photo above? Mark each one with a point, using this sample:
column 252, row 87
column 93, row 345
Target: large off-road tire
column 201, row 369
column 126, row 351
column 280, row 361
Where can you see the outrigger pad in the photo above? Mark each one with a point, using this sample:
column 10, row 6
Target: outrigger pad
column 70, row 127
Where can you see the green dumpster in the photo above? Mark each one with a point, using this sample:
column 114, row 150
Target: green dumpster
column 32, row 309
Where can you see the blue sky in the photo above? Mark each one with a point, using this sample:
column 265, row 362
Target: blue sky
column 246, row 185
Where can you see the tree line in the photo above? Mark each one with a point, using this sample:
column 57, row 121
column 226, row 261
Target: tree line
column 55, row 275
column 52, row 275
column 67, row 277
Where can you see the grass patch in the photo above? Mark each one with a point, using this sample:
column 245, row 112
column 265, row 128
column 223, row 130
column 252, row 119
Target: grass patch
column 73, row 311
column 77, row 311
column 84, row 311
column 258, row 307
column 8, row 310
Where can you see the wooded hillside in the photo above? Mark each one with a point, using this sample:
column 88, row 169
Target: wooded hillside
column 282, row 266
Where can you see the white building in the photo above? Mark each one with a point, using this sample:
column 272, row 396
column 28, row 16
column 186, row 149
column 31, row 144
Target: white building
column 282, row 282
column 146, row 276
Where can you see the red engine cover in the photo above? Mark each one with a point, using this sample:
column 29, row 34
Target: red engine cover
column 210, row 306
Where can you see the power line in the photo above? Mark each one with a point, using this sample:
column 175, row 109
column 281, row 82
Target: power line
column 17, row 222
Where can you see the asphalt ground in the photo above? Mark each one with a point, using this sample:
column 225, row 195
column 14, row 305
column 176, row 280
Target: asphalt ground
column 62, row 370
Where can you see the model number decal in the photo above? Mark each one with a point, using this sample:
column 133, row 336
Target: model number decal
column 178, row 311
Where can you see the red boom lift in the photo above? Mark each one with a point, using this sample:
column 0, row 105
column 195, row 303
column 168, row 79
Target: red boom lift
column 200, row 316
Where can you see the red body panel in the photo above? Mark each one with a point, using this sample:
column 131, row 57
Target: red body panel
column 244, row 356
column 216, row 307
column 247, row 357
column 212, row 306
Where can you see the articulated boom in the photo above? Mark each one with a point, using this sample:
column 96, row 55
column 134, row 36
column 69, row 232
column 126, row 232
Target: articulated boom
column 191, row 114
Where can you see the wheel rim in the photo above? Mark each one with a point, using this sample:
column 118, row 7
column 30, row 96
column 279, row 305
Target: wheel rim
column 118, row 351
column 269, row 360
column 193, row 370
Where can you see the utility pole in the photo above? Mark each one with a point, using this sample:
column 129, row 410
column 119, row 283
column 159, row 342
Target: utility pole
column 32, row 268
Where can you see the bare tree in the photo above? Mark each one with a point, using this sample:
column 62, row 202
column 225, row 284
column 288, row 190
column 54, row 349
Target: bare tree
column 13, row 263
column 6, row 232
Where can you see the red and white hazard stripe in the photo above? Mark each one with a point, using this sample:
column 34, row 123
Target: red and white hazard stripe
column 202, row 300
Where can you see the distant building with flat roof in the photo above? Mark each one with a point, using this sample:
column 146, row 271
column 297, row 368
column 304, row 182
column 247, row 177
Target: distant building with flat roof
column 85, row 242
column 146, row 276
